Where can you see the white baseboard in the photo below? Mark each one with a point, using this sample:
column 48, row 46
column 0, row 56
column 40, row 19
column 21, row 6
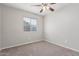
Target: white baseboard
column 76, row 50
column 21, row 44
column 39, row 41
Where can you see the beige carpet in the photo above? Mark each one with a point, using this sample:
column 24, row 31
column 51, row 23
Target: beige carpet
column 42, row 48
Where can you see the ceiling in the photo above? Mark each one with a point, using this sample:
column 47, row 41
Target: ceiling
column 34, row 9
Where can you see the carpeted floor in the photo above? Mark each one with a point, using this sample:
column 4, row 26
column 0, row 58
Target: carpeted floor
column 42, row 48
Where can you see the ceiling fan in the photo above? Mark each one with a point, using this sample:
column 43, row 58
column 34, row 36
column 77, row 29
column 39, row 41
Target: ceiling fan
column 45, row 6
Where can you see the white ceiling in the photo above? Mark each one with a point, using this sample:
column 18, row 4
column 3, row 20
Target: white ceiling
column 34, row 9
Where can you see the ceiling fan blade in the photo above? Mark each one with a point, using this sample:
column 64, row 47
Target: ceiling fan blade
column 52, row 3
column 51, row 9
column 41, row 10
column 36, row 5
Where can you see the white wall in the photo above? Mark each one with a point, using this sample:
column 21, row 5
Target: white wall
column 62, row 27
column 13, row 33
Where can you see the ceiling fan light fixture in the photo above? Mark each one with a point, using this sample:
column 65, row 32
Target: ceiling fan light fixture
column 46, row 6
column 44, row 9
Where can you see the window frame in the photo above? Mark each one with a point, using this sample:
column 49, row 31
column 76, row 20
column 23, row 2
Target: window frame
column 31, row 30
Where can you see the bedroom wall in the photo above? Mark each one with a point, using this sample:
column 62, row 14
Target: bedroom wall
column 62, row 27
column 13, row 32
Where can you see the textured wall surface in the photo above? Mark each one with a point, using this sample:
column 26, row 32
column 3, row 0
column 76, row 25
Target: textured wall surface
column 62, row 27
column 13, row 31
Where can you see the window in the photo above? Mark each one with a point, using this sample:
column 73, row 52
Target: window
column 30, row 24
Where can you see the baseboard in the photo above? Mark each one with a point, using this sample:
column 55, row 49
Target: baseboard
column 20, row 44
column 63, row 46
column 39, row 41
